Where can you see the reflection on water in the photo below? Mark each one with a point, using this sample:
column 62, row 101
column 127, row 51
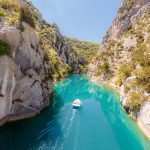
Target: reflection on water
column 100, row 124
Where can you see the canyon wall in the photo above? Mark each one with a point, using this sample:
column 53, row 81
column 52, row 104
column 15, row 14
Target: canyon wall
column 123, row 60
column 33, row 54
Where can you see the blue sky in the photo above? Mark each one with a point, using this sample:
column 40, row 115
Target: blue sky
column 82, row 19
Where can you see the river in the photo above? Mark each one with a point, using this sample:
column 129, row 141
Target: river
column 100, row 124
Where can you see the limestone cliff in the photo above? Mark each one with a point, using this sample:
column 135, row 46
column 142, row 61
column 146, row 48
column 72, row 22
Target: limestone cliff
column 62, row 58
column 33, row 54
column 123, row 60
column 23, row 89
column 87, row 50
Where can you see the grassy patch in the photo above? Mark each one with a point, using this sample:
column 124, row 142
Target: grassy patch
column 10, row 5
column 141, row 56
column 20, row 26
column 26, row 14
column 123, row 73
column 87, row 49
column 57, row 67
column 4, row 48
column 2, row 14
column 135, row 101
column 12, row 21
column 105, row 67
column 143, row 78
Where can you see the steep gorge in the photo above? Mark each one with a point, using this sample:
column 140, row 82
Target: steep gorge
column 33, row 54
column 123, row 60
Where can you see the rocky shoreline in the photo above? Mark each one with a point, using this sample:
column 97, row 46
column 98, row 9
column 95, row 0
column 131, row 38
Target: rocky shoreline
column 145, row 128
column 13, row 118
column 32, row 112
column 24, row 116
column 123, row 60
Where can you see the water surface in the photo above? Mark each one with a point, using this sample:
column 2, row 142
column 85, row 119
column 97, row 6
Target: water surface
column 100, row 124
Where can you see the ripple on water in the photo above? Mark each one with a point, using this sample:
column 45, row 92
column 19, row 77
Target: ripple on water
column 100, row 124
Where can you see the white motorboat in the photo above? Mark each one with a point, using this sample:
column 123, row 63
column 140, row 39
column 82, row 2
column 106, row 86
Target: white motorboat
column 76, row 104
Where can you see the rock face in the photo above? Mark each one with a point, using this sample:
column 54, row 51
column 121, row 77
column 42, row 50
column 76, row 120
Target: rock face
column 129, row 11
column 123, row 59
column 144, row 115
column 22, row 90
column 39, row 54
column 57, row 46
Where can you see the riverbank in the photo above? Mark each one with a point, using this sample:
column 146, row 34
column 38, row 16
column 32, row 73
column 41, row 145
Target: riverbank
column 17, row 117
column 139, row 122
column 144, row 128
column 13, row 118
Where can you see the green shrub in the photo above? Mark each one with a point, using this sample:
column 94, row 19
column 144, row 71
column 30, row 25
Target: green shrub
column 123, row 73
column 118, row 81
column 26, row 14
column 58, row 68
column 4, row 48
column 129, row 5
column 20, row 26
column 129, row 28
column 141, row 56
column 10, row 4
column 135, row 101
column 2, row 14
column 140, row 38
column 143, row 78
column 105, row 67
column 12, row 21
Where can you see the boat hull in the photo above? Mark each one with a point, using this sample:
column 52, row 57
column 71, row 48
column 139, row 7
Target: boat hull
column 75, row 107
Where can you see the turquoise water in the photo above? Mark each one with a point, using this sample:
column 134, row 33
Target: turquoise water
column 100, row 124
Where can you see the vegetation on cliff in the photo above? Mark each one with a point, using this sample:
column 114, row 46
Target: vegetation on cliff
column 126, row 50
column 62, row 54
column 58, row 68
column 4, row 48
column 87, row 49
column 26, row 14
column 10, row 5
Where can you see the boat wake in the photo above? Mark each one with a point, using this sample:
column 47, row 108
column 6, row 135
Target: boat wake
column 66, row 128
column 73, row 114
